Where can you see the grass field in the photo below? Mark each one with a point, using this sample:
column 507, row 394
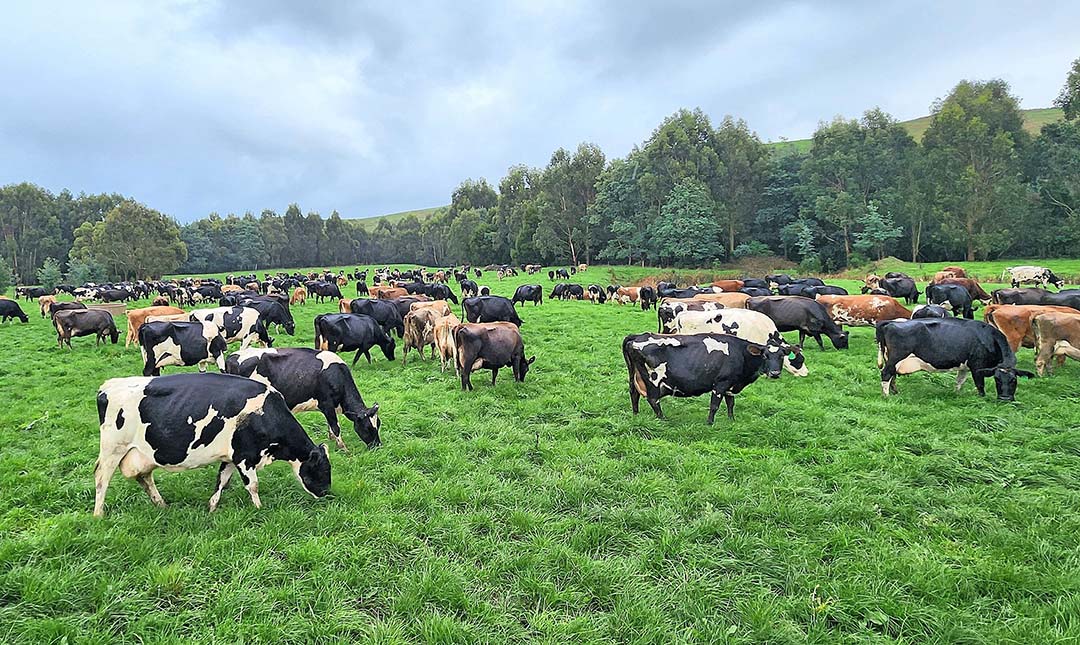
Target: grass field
column 1034, row 120
column 546, row 512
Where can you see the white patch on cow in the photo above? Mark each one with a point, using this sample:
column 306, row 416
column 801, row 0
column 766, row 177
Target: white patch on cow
column 201, row 424
column 328, row 359
column 306, row 406
column 713, row 345
column 477, row 364
column 657, row 374
column 879, row 303
column 165, row 353
column 668, row 340
column 912, row 364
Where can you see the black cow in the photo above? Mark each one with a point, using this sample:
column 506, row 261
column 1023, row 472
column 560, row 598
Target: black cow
column 361, row 288
column 897, row 286
column 383, row 311
column 574, row 292
column 489, row 346
column 1027, row 296
column 957, row 297
column 84, row 322
column 826, row 290
column 272, row 312
column 64, row 306
column 1066, row 298
column 930, row 311
column 184, row 421
column 754, row 292
column 10, row 309
column 352, row 332
column 31, row 293
column 529, row 293
column 695, row 364
column 777, row 279
column 938, row 344
column 321, row 290
column 309, row 378
column 469, row 289
column 439, row 291
column 558, row 292
column 115, row 295
column 755, row 283
column 806, row 316
column 167, row 343
column 562, row 273
column 484, row 309
column 647, row 298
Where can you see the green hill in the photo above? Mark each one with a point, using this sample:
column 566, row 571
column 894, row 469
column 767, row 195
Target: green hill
column 421, row 214
column 1034, row 120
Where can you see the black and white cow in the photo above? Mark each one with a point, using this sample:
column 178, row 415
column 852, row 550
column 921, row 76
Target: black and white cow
column 469, row 289
column 181, row 343
column 597, row 294
column 953, row 297
column 310, row 379
column 484, row 309
column 944, row 344
column 668, row 309
column 808, row 317
column 243, row 324
column 352, row 332
column 9, row 309
column 1027, row 274
column 749, row 325
column 184, row 421
column 693, row 365
column 533, row 293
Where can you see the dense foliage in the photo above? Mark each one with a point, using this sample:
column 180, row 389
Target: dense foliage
column 976, row 186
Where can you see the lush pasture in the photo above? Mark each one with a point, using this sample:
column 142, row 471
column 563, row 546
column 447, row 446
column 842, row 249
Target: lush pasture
column 546, row 511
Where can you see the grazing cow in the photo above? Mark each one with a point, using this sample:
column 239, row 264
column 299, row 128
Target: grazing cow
column 183, row 421
column 943, row 344
column 929, row 311
column 181, row 343
column 973, row 287
column 384, row 312
column 863, row 310
column 321, row 289
column 485, row 309
column 1027, row 274
column 44, row 302
column 597, row 294
column 310, row 379
column 243, row 324
column 84, row 322
column 896, row 287
column 1016, row 321
column 1057, row 337
column 10, row 309
column 551, row 275
column 736, row 300
column 749, row 325
column 299, row 296
column 808, row 317
column 272, row 312
column 352, row 332
column 647, row 298
column 558, row 292
column 438, row 306
column 729, row 285
column 583, row 267
column 64, row 306
column 562, row 274
column 490, row 346
column 533, row 293
column 1026, row 296
column 444, row 341
column 392, row 293
column 136, row 317
column 115, row 295
column 951, row 296
column 625, row 295
column 31, row 293
column 755, row 292
column 419, row 332
column 672, row 307
column 693, row 365
column 469, row 289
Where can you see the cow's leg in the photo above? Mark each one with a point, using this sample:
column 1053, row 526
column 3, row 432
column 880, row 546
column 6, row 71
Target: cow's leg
column 980, row 383
column 961, row 377
column 729, row 399
column 655, row 405
column 494, row 373
column 404, row 353
column 817, row 337
column 334, row 428
column 888, row 379
column 360, row 352
column 367, row 355
column 251, row 483
column 146, row 480
column 635, row 393
column 106, row 465
column 225, row 472
column 714, row 404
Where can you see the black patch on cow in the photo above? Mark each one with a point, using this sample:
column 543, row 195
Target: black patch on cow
column 119, row 418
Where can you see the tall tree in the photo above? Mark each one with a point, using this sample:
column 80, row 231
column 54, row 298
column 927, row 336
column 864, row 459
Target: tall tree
column 686, row 232
column 745, row 163
column 1069, row 98
column 132, row 242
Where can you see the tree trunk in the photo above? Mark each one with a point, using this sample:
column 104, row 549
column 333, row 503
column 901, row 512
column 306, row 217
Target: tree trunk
column 916, row 239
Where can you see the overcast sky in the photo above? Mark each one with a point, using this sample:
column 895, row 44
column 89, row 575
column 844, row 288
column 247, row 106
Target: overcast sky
column 230, row 106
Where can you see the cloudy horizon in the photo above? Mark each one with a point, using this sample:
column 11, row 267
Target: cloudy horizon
column 193, row 107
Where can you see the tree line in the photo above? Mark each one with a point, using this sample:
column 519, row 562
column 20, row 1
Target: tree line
column 977, row 185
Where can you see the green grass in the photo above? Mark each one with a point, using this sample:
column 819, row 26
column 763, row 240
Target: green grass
column 1034, row 120
column 546, row 512
column 421, row 214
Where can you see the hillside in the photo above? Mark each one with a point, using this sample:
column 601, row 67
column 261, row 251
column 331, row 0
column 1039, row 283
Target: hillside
column 1034, row 120
column 371, row 222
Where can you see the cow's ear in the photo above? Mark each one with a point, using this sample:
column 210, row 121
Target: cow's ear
column 374, row 409
column 1025, row 373
column 530, row 361
column 754, row 350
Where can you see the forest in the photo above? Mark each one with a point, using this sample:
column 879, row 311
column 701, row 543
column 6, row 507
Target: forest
column 976, row 186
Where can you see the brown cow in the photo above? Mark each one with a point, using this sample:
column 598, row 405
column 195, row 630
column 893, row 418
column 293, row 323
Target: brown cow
column 440, row 276
column 377, row 291
column 1058, row 336
column 444, row 341
column 438, row 306
column 1015, row 321
column 136, row 317
column 44, row 302
column 872, row 281
column 419, row 332
column 299, row 296
column 728, row 285
column 730, row 300
column 863, row 311
column 625, row 295
column 958, row 272
column 161, row 301
column 490, row 346
column 583, row 267
column 229, row 288
column 345, row 305
column 972, row 285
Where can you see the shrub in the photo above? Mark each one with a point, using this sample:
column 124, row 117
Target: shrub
column 752, row 249
column 810, row 264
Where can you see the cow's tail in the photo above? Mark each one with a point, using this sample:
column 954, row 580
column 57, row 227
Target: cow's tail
column 318, row 334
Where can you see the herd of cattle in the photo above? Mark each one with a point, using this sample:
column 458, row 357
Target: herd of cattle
column 715, row 339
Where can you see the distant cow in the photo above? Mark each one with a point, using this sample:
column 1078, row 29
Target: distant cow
column 299, row 296
column 352, row 332
column 897, row 287
column 469, row 289
column 693, row 365
column 181, row 343
column 44, row 302
column 310, row 379
column 384, row 312
column 808, row 317
column 84, row 322
column 184, row 421
column 483, row 309
column 951, row 296
column 728, row 285
column 647, row 298
column 672, row 307
column 1027, row 274
column 490, row 346
column 10, row 309
column 1057, row 337
column 941, row 344
column 242, row 324
column 597, row 294
column 533, row 293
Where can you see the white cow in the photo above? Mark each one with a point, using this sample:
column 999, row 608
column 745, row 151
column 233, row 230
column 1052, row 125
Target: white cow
column 749, row 325
column 1028, row 274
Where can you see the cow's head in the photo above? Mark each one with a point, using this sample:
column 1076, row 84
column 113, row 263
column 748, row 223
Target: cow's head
column 290, row 327
column 1054, row 280
column 1005, row 380
column 388, row 346
column 114, row 333
column 840, row 340
column 366, row 423
column 313, row 471
column 522, row 368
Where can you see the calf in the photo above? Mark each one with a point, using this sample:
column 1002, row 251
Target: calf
column 419, row 332
column 1058, row 336
column 533, row 293
column 181, row 343
column 243, row 324
column 183, row 421
column 9, row 309
column 136, row 317
column 352, row 332
column 84, row 322
column 693, row 365
column 310, row 379
column 44, row 302
column 808, row 317
column 749, row 325
column 490, row 346
column 483, row 309
column 299, row 295
column 942, row 344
